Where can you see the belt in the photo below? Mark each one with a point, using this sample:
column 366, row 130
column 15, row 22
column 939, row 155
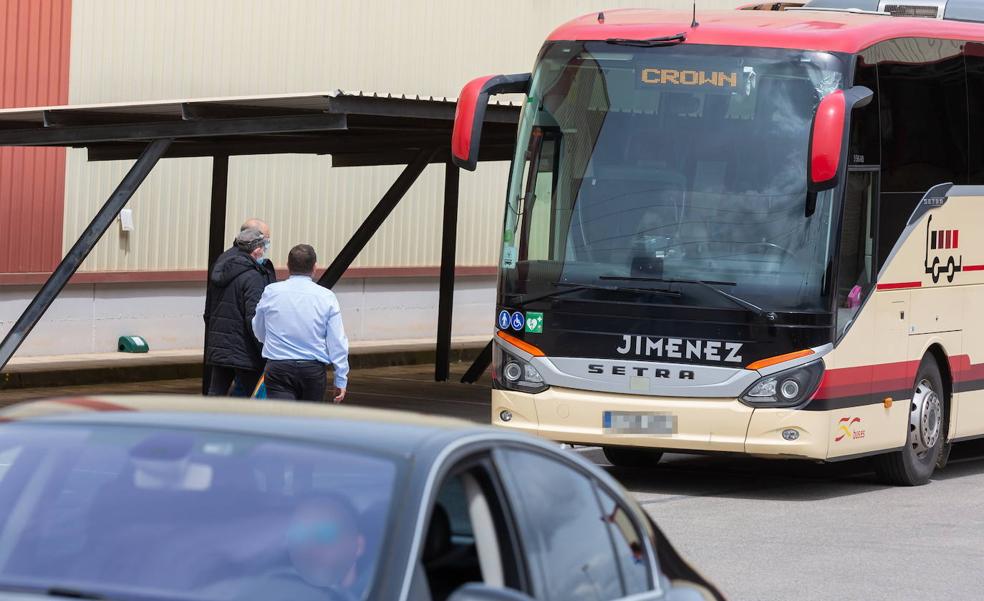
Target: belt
column 297, row 362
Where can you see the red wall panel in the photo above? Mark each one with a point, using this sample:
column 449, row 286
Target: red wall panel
column 34, row 54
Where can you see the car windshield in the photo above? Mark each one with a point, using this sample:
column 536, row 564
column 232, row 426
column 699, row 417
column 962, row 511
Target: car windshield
column 152, row 513
column 684, row 162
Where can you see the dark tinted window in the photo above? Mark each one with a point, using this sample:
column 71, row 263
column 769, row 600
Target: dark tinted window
column 566, row 533
column 975, row 93
column 923, row 100
column 865, row 130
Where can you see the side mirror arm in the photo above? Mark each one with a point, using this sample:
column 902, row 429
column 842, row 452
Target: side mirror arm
column 470, row 113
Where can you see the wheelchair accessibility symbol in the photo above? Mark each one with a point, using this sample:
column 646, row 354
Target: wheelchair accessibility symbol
column 518, row 321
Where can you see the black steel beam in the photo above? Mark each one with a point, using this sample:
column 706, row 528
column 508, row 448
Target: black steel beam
column 216, row 235
column 445, row 303
column 376, row 218
column 479, row 366
column 81, row 249
column 67, row 136
column 227, row 110
column 82, row 118
column 353, row 148
column 217, row 211
column 400, row 157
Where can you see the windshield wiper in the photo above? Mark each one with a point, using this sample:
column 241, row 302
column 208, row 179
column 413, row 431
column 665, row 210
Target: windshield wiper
column 670, row 40
column 567, row 288
column 706, row 284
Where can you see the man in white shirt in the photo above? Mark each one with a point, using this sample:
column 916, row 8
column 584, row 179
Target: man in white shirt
column 300, row 326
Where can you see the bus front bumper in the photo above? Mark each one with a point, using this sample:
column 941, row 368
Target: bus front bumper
column 700, row 424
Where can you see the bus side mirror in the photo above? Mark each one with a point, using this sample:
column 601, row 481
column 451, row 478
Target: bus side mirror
column 828, row 138
column 470, row 113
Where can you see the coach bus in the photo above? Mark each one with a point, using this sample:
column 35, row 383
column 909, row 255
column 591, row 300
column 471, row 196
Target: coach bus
column 758, row 231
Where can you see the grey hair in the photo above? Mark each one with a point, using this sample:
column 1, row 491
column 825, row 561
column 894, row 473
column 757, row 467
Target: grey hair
column 249, row 240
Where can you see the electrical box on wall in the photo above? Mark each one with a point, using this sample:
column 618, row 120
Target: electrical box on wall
column 132, row 344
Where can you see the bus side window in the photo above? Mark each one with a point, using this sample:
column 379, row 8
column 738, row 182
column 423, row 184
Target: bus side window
column 865, row 122
column 857, row 252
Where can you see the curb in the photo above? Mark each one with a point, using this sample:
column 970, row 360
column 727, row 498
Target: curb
column 180, row 370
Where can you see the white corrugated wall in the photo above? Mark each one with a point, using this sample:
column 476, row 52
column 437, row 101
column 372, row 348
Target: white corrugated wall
column 124, row 50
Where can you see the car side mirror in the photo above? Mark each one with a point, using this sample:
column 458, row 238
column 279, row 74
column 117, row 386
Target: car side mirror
column 483, row 592
column 469, row 115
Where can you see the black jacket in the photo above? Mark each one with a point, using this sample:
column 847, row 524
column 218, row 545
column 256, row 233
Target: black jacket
column 235, row 285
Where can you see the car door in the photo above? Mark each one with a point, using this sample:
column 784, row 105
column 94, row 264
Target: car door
column 468, row 538
column 580, row 542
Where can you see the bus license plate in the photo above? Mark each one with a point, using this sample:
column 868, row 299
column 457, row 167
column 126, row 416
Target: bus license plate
column 638, row 422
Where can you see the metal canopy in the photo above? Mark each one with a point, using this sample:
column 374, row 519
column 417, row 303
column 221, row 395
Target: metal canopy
column 355, row 128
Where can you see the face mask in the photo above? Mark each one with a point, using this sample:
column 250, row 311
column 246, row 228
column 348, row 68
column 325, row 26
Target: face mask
column 266, row 252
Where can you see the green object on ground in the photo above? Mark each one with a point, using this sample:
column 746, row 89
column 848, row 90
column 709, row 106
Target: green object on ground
column 132, row 344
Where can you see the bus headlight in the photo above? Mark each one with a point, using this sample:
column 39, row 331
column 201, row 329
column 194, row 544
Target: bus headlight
column 512, row 373
column 787, row 388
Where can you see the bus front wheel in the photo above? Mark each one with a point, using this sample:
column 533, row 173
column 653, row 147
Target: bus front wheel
column 632, row 456
column 914, row 464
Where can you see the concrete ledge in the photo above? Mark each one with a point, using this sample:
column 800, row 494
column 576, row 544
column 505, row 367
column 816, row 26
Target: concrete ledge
column 99, row 368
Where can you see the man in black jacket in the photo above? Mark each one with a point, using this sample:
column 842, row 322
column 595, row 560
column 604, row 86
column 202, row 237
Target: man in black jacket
column 235, row 285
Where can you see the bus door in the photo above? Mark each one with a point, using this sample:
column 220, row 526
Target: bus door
column 856, row 273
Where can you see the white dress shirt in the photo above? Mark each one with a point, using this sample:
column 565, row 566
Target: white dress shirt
column 298, row 319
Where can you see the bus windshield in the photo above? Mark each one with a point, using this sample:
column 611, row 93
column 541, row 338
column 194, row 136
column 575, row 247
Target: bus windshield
column 653, row 166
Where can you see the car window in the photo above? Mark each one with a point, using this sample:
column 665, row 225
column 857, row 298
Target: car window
column 137, row 513
column 462, row 543
column 564, row 530
column 629, row 548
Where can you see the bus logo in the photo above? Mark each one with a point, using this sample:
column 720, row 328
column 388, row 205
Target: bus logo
column 941, row 247
column 849, row 428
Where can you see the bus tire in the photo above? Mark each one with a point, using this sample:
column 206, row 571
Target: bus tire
column 632, row 456
column 914, row 464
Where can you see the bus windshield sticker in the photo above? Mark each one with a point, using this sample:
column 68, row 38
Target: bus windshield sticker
column 534, row 322
column 509, row 256
column 518, row 321
column 724, row 78
column 504, row 320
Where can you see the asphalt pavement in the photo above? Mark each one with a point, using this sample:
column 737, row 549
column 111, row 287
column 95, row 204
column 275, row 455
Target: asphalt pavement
column 762, row 530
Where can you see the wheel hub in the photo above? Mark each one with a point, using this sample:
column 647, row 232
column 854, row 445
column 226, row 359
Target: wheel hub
column 925, row 418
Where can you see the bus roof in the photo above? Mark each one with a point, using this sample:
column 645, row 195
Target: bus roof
column 823, row 30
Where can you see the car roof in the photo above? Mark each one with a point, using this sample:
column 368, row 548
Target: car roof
column 393, row 432
column 832, row 31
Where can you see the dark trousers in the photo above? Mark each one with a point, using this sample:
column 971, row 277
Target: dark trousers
column 222, row 378
column 296, row 380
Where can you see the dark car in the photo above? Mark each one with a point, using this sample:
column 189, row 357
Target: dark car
column 156, row 498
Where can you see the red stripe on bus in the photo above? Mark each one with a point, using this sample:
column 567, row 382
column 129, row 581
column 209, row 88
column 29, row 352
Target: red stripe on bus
column 973, row 267
column 897, row 285
column 956, row 238
column 888, row 377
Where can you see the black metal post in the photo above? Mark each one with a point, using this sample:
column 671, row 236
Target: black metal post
column 216, row 237
column 375, row 219
column 81, row 249
column 217, row 212
column 445, row 303
column 479, row 366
